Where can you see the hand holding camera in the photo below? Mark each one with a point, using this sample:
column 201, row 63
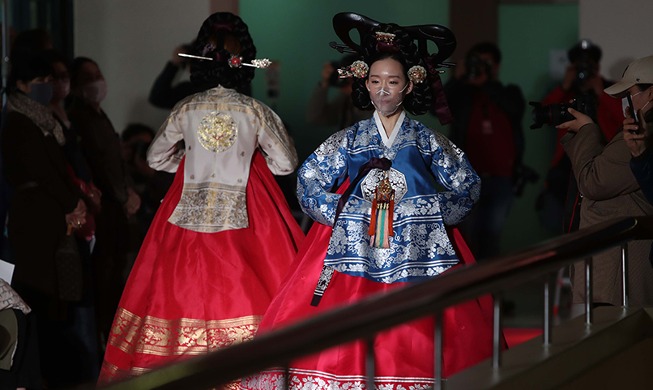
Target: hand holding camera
column 579, row 120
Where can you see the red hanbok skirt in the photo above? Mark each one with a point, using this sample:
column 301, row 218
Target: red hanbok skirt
column 404, row 355
column 191, row 293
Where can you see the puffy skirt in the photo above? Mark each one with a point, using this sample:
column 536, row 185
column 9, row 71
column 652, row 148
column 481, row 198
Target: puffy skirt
column 404, row 355
column 191, row 293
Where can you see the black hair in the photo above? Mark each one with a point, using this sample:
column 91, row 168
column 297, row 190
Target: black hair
column 135, row 129
column 487, row 48
column 27, row 64
column 584, row 48
column 34, row 39
column 222, row 35
column 76, row 68
column 404, row 50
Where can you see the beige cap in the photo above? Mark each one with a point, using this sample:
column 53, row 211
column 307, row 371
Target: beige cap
column 639, row 71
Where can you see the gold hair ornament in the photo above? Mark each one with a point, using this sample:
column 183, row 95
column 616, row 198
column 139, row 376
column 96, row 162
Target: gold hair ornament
column 357, row 69
column 417, row 74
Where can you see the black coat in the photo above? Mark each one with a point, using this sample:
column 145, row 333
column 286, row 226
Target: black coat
column 42, row 193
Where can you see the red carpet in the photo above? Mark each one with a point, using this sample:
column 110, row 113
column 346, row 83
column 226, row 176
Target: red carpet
column 516, row 336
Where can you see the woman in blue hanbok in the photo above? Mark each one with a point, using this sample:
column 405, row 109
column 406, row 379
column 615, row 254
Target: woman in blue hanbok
column 385, row 194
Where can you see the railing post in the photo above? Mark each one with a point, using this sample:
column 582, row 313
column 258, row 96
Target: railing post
column 548, row 309
column 286, row 377
column 437, row 351
column 370, row 367
column 496, row 331
column 624, row 275
column 588, row 291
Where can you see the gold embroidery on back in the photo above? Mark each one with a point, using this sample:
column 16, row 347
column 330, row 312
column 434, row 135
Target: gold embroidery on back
column 217, row 132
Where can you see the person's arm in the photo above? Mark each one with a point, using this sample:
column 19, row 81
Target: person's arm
column 163, row 153
column 319, row 174
column 274, row 140
column 163, row 94
column 461, row 183
column 593, row 164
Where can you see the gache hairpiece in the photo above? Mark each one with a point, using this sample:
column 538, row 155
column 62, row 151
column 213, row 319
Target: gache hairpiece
column 444, row 39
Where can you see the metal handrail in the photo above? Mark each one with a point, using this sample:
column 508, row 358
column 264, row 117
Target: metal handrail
column 377, row 313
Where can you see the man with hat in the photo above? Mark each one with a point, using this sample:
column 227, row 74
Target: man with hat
column 582, row 81
column 610, row 191
column 637, row 82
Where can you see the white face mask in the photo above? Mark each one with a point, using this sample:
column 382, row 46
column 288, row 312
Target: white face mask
column 96, row 91
column 388, row 102
column 387, row 85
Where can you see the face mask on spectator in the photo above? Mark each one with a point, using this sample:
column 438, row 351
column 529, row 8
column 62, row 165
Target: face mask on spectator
column 41, row 92
column 95, row 92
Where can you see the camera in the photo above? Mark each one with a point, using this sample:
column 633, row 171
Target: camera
column 476, row 67
column 555, row 114
column 584, row 70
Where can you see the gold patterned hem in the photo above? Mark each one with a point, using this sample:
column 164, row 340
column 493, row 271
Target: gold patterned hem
column 185, row 336
column 220, row 208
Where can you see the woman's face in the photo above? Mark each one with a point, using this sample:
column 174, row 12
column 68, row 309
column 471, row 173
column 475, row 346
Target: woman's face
column 388, row 85
column 88, row 73
column 61, row 81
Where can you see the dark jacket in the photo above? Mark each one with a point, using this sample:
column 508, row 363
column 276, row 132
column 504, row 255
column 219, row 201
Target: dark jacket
column 42, row 194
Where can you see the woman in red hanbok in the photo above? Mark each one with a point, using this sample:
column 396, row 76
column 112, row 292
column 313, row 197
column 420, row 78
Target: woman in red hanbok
column 224, row 236
column 402, row 189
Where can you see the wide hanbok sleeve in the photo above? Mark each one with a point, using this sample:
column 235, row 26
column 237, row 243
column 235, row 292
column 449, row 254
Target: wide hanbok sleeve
column 274, row 140
column 163, row 153
column 462, row 185
column 318, row 176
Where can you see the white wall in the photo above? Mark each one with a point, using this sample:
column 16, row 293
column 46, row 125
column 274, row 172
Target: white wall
column 131, row 40
column 622, row 28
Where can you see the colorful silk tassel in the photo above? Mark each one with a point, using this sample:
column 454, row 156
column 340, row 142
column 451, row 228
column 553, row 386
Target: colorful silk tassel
column 383, row 205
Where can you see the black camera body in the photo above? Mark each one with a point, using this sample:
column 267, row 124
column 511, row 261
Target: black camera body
column 584, row 70
column 476, row 67
column 555, row 114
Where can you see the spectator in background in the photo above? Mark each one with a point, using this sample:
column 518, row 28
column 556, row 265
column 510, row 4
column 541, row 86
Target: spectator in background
column 151, row 185
column 101, row 146
column 638, row 135
column 339, row 110
column 488, row 127
column 85, row 350
column 611, row 191
column 45, row 207
column 558, row 203
column 168, row 88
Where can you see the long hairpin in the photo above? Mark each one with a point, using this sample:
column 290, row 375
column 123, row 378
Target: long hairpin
column 234, row 61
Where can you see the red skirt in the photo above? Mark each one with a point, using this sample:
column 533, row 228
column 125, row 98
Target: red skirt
column 403, row 355
column 191, row 293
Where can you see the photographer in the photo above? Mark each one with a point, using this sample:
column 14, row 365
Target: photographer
column 610, row 191
column 582, row 81
column 488, row 127
column 165, row 93
column 339, row 110
column 639, row 123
